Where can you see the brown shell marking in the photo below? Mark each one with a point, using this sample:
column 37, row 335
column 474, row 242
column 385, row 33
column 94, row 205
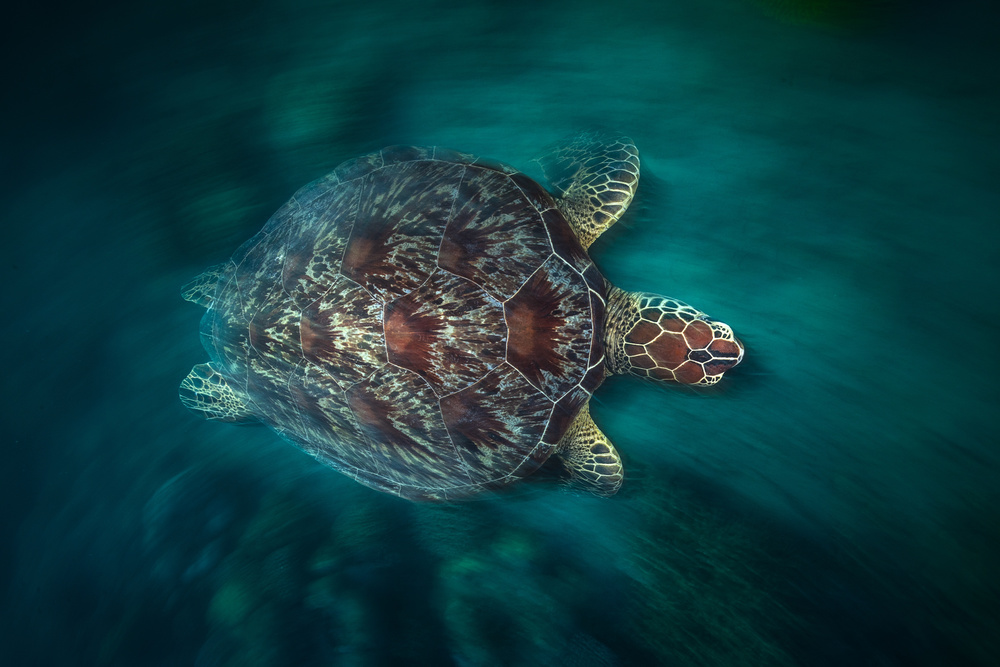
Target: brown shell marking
column 487, row 240
column 418, row 319
column 396, row 248
column 312, row 258
column 448, row 331
column 341, row 332
column 406, row 440
column 496, row 425
column 544, row 319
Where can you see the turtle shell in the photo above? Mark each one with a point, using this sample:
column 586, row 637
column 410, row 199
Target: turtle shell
column 422, row 320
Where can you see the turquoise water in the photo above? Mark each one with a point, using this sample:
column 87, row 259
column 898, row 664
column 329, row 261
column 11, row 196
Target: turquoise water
column 822, row 176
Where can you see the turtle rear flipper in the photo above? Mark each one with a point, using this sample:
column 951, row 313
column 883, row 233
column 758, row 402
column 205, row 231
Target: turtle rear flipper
column 593, row 177
column 591, row 460
column 201, row 288
column 206, row 392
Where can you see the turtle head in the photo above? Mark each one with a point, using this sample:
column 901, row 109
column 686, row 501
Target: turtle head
column 665, row 339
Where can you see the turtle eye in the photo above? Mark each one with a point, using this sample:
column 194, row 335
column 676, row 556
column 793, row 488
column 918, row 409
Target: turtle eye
column 700, row 356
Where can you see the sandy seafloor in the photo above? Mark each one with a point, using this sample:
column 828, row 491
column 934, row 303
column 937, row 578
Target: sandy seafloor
column 824, row 176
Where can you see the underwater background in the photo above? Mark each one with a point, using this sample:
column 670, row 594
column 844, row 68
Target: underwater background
column 823, row 175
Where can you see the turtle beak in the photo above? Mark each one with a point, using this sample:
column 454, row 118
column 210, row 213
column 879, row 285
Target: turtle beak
column 725, row 355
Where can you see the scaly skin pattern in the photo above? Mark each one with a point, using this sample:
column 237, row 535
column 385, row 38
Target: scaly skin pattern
column 422, row 320
column 661, row 338
column 594, row 177
column 590, row 457
column 205, row 391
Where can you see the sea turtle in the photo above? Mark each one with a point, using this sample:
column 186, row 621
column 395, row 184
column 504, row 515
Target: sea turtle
column 430, row 323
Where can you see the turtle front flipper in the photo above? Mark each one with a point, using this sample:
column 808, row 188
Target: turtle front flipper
column 207, row 392
column 594, row 177
column 201, row 288
column 590, row 458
